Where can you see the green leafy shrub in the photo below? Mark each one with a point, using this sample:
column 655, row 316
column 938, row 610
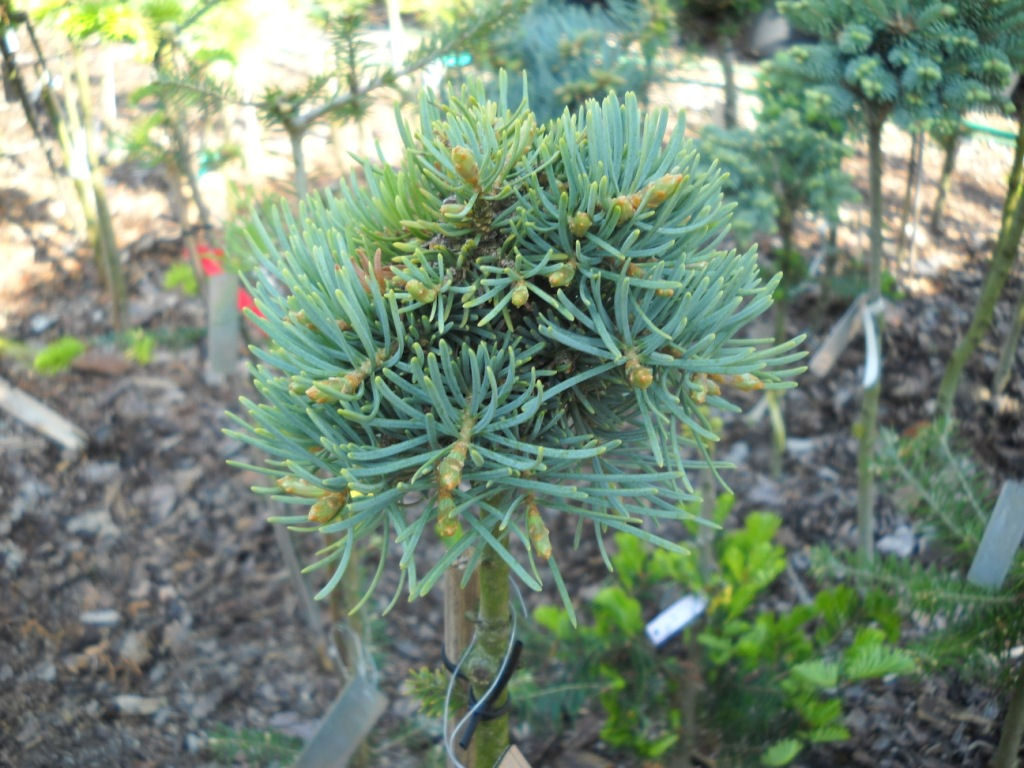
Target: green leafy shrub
column 518, row 321
column 769, row 678
column 140, row 346
column 181, row 275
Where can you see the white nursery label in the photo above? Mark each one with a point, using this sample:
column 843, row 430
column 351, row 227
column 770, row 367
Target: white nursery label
column 675, row 617
column 1001, row 539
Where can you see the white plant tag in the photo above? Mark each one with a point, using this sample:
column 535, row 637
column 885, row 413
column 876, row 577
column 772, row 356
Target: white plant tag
column 1002, row 538
column 675, row 617
column 11, row 40
column 838, row 338
column 223, row 334
column 872, row 356
column 345, row 726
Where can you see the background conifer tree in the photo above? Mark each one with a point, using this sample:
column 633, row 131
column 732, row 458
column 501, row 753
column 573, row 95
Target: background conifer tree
column 910, row 61
column 571, row 52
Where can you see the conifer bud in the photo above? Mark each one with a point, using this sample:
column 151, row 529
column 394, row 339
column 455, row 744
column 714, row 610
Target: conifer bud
column 520, row 294
column 327, row 507
column 448, row 526
column 747, row 382
column 579, row 224
column 297, row 486
column 623, row 209
column 662, row 189
column 465, row 165
column 319, row 391
column 422, row 293
column 536, row 529
column 638, row 375
column 449, row 473
column 562, row 276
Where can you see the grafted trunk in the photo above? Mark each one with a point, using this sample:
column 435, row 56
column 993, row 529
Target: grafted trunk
column 727, row 57
column 493, row 631
column 951, row 145
column 868, row 422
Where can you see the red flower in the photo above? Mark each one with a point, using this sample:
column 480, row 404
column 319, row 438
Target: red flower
column 211, row 259
column 245, row 301
column 212, row 262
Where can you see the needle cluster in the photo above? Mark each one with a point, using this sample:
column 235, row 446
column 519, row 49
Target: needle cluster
column 516, row 323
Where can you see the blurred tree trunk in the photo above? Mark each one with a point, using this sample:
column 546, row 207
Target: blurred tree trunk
column 1003, row 259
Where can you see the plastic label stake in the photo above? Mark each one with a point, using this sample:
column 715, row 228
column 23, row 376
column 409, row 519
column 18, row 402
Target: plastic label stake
column 675, row 617
column 347, row 723
column 838, row 338
column 1002, row 538
column 872, row 355
column 223, row 332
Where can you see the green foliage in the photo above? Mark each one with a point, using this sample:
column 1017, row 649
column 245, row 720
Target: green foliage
column 769, row 677
column 782, row 752
column 256, row 747
column 186, row 93
column 916, row 60
column 58, row 355
column 347, row 88
column 112, row 20
column 429, row 686
column 140, row 346
column 635, row 688
column 780, row 170
column 518, row 321
column 181, row 275
column 949, row 496
column 15, row 350
column 572, row 53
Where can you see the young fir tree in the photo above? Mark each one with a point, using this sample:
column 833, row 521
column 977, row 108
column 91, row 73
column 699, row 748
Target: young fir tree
column 776, row 173
column 783, row 168
column 971, row 630
column 517, row 322
column 571, row 52
column 717, row 23
column 909, row 60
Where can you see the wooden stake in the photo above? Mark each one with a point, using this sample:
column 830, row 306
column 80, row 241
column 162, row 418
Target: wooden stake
column 40, row 417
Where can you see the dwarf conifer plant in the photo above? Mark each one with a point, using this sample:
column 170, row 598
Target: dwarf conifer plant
column 518, row 322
